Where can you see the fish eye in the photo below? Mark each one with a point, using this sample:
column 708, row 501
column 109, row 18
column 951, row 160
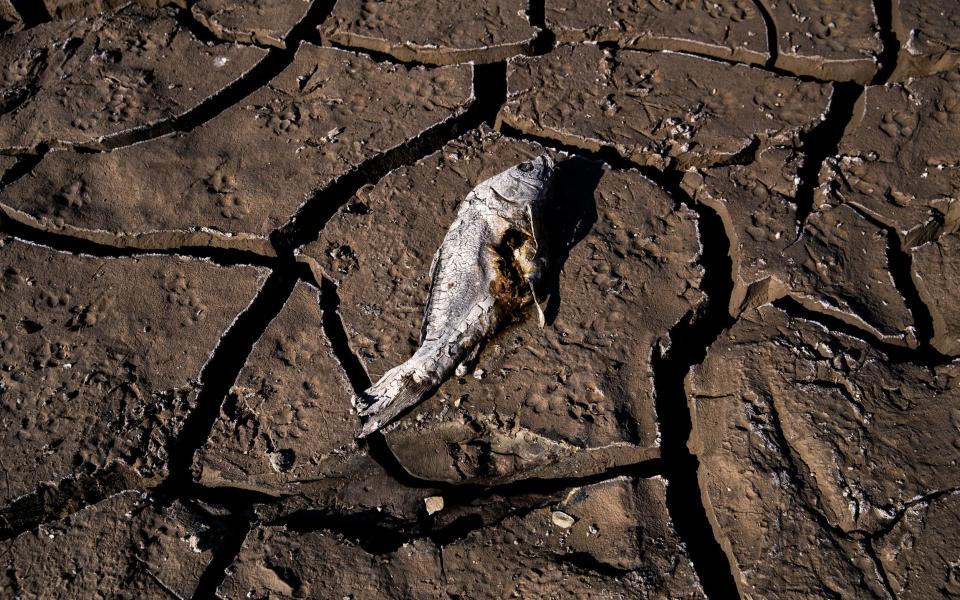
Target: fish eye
column 525, row 167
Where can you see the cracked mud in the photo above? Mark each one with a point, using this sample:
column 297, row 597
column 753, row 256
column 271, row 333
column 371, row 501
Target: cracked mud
column 217, row 222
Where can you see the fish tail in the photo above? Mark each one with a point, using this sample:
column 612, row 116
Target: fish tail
column 398, row 390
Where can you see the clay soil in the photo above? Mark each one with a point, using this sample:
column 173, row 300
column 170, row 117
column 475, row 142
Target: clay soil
column 217, row 219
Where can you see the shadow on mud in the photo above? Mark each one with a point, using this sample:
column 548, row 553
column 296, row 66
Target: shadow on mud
column 571, row 213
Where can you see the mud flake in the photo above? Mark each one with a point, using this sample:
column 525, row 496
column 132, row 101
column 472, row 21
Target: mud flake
column 837, row 263
column 93, row 369
column 825, row 436
column 927, row 31
column 433, row 32
column 77, row 9
column 936, row 266
column 250, row 168
column 289, row 410
column 899, row 160
column 122, row 547
column 730, row 29
column 827, row 39
column 10, row 20
column 251, row 21
column 658, row 109
column 622, row 525
column 919, row 553
column 74, row 81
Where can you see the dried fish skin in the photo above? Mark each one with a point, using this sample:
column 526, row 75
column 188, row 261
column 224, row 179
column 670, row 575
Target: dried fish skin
column 487, row 270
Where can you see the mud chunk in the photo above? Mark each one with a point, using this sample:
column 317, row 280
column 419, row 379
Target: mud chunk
column 828, row 39
column 927, row 31
column 265, row 22
column 533, row 398
column 76, row 9
column 251, row 167
column 919, row 554
column 936, row 269
column 658, row 109
column 93, row 368
column 433, row 504
column 122, row 547
column 288, row 410
column 623, row 544
column 837, row 264
column 730, row 29
column 287, row 427
column 283, row 564
column 10, row 20
column 825, row 437
column 900, row 157
column 431, row 31
column 623, row 524
column 6, row 162
column 77, row 81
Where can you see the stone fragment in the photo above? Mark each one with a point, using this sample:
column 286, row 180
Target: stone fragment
column 251, row 167
column 622, row 545
column 836, row 265
column 93, row 368
column 433, row 504
column 433, row 31
column 277, row 563
column 658, row 109
column 936, row 269
column 562, row 519
column 828, row 39
column 265, row 22
column 122, row 547
column 729, row 29
column 899, row 159
column 576, row 396
column 75, row 82
column 919, row 554
column 809, row 440
column 289, row 409
column 927, row 32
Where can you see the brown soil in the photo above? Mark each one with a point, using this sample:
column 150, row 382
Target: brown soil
column 217, row 219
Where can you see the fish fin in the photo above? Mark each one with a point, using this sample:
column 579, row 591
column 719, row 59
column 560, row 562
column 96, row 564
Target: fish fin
column 540, row 303
column 537, row 233
column 396, row 391
column 470, row 362
column 538, row 240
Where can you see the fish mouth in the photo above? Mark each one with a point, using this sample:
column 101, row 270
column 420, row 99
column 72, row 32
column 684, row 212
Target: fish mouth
column 537, row 169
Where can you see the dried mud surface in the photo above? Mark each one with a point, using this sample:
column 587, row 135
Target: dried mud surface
column 252, row 167
column 658, row 109
column 732, row 29
column 459, row 31
column 217, row 220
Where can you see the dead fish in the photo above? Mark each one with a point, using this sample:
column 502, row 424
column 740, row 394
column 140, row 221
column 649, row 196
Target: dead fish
column 486, row 271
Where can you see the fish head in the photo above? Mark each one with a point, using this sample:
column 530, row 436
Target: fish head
column 524, row 183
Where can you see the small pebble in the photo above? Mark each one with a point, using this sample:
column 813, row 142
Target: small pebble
column 562, row 519
column 434, row 504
